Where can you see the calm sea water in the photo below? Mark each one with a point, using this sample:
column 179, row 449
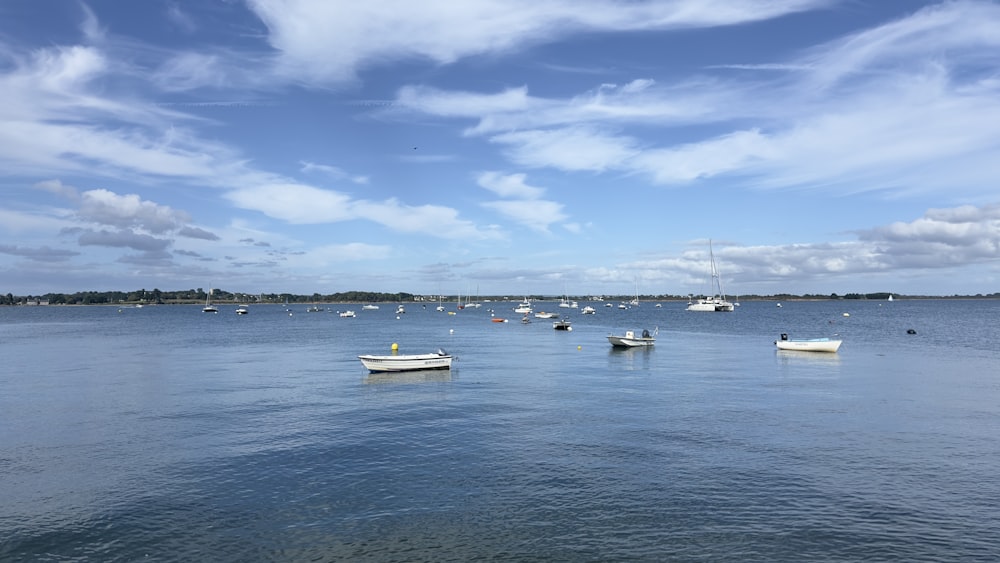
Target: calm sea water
column 167, row 434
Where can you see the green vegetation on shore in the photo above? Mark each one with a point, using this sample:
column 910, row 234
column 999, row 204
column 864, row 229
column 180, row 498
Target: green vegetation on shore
column 190, row 296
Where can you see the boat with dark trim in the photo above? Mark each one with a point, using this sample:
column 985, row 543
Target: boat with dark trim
column 630, row 340
column 406, row 362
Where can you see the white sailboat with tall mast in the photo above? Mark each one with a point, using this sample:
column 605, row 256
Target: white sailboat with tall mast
column 717, row 302
column 209, row 308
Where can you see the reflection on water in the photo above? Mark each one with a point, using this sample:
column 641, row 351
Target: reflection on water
column 792, row 356
column 164, row 433
column 414, row 376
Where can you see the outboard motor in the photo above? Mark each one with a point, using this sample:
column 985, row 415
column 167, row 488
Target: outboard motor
column 645, row 333
column 441, row 352
column 784, row 336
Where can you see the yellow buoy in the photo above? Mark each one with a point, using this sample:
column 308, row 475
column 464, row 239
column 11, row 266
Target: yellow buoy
column 579, row 347
column 395, row 346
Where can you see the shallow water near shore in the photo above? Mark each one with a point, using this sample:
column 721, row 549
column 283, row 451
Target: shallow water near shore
column 164, row 433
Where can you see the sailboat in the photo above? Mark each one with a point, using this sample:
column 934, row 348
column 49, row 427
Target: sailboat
column 209, row 308
column 717, row 302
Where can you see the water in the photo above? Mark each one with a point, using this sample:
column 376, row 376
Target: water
column 167, row 434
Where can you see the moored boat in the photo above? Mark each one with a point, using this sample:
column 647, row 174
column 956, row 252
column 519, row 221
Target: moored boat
column 562, row 325
column 209, row 308
column 630, row 340
column 524, row 307
column 808, row 344
column 716, row 303
column 406, row 362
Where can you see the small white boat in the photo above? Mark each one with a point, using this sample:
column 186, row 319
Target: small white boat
column 544, row 315
column 242, row 310
column 588, row 310
column 630, row 340
column 524, row 307
column 411, row 362
column 808, row 344
column 348, row 314
column 314, row 309
column 562, row 325
column 400, row 310
column 369, row 307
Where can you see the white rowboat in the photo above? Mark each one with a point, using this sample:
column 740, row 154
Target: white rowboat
column 808, row 344
column 411, row 362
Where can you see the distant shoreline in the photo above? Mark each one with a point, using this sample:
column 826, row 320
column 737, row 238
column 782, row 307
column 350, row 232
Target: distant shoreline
column 425, row 300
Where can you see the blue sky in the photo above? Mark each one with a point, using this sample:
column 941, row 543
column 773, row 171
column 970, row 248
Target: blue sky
column 509, row 147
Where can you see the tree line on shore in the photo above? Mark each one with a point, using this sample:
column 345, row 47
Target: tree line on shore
column 199, row 295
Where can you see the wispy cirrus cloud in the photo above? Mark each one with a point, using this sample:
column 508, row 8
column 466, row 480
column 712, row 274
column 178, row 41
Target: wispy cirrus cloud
column 327, row 43
column 837, row 116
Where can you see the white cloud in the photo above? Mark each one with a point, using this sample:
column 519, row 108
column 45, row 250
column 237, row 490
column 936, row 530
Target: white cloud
column 353, row 251
column 325, row 42
column 573, row 149
column 332, row 171
column 537, row 214
column 124, row 211
column 462, row 104
column 58, row 188
column 942, row 238
column 431, row 220
column 734, row 152
column 524, row 205
column 294, row 203
column 509, row 185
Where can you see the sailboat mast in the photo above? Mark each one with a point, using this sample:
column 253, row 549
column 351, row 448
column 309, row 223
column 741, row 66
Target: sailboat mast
column 715, row 270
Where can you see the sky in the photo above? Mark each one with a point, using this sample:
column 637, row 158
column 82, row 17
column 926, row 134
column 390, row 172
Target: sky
column 500, row 147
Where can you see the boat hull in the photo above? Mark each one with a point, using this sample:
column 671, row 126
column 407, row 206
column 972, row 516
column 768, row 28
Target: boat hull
column 630, row 340
column 412, row 362
column 811, row 345
column 711, row 306
column 622, row 342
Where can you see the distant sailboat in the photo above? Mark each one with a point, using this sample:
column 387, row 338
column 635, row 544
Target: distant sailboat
column 209, row 308
column 717, row 301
